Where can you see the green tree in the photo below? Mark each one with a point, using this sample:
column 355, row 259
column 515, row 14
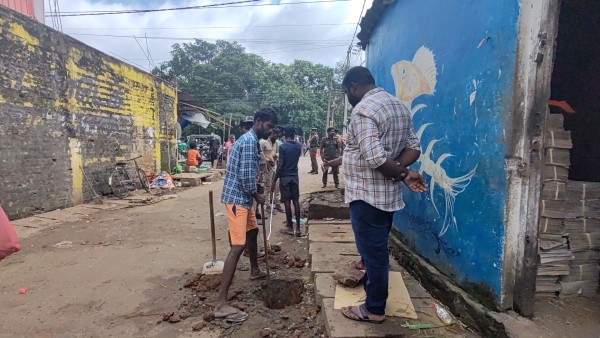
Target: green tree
column 232, row 82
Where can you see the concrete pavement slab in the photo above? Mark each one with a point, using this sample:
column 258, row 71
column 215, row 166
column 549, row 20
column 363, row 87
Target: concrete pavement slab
column 332, row 237
column 339, row 326
column 344, row 249
column 324, row 287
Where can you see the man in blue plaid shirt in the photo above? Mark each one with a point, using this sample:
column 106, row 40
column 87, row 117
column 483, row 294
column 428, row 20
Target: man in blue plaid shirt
column 239, row 192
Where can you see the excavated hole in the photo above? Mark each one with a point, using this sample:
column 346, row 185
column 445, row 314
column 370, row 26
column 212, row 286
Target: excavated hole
column 282, row 293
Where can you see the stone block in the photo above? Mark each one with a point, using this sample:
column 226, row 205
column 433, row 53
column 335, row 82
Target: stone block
column 339, row 236
column 339, row 326
column 324, row 287
column 189, row 169
column 343, row 249
column 329, row 262
column 323, row 209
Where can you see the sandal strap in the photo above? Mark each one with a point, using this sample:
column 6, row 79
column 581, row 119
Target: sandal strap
column 363, row 311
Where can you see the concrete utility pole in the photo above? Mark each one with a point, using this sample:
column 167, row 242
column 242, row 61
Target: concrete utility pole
column 344, row 124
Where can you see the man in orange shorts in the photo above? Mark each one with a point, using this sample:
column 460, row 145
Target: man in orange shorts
column 239, row 192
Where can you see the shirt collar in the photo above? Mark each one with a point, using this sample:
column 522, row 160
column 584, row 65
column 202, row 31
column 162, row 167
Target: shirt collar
column 253, row 133
column 373, row 92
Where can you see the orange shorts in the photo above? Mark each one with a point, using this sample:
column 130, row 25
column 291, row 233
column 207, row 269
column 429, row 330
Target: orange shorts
column 241, row 220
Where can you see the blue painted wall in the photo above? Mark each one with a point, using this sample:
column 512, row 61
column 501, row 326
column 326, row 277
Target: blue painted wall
column 467, row 98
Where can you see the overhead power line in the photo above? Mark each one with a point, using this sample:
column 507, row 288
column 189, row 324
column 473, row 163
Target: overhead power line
column 210, row 27
column 208, row 39
column 244, row 3
column 358, row 23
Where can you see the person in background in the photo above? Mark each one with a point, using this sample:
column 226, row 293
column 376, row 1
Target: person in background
column 229, row 144
column 331, row 149
column 269, row 156
column 381, row 145
column 289, row 185
column 239, row 192
column 246, row 124
column 313, row 145
column 280, row 136
column 193, row 156
column 214, row 151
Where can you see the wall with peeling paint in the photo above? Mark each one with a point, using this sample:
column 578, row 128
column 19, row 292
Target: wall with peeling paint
column 453, row 64
column 64, row 105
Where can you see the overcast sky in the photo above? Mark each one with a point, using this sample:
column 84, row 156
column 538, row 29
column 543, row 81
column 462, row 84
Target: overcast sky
column 319, row 32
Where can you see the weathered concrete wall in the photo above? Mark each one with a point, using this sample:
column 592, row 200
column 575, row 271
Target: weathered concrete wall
column 64, row 105
column 453, row 64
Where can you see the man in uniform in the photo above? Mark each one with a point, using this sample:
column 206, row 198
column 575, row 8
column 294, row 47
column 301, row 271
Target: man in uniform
column 331, row 148
column 313, row 145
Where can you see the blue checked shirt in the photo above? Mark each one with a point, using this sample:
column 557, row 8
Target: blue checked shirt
column 242, row 171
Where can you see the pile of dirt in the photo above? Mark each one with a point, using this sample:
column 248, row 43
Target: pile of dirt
column 278, row 311
column 284, row 260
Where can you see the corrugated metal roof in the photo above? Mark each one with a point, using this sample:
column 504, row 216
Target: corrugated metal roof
column 369, row 21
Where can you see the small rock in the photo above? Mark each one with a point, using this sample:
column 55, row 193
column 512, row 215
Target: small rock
column 266, row 332
column 208, row 317
column 166, row 316
column 285, row 317
column 277, row 321
column 224, row 325
column 239, row 305
column 174, row 318
column 184, row 314
column 348, row 276
column 279, row 326
column 276, row 247
column 195, row 304
column 198, row 326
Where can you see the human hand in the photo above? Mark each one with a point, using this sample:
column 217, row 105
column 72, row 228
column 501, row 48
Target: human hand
column 260, row 198
column 415, row 182
column 325, row 165
column 273, row 187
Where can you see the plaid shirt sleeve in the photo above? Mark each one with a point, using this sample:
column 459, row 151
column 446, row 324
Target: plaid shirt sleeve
column 412, row 141
column 248, row 168
column 367, row 133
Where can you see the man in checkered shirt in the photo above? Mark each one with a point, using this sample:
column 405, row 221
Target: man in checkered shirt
column 239, row 192
column 380, row 146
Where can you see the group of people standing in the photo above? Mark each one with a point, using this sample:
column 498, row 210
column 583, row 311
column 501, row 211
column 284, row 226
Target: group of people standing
column 262, row 156
column 381, row 145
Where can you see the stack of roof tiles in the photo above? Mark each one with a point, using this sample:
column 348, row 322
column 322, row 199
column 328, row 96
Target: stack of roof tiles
column 569, row 231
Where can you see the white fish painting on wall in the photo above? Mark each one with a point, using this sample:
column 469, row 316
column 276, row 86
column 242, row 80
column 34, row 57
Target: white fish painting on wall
column 411, row 80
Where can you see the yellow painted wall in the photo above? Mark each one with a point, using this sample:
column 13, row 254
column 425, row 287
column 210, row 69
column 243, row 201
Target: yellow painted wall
column 89, row 108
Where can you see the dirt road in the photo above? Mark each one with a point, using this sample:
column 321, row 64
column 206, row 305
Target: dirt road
column 115, row 273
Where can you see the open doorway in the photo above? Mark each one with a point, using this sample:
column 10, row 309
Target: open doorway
column 569, row 231
column 576, row 80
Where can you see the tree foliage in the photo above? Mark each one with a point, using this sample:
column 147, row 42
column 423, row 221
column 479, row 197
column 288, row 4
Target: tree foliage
column 232, row 82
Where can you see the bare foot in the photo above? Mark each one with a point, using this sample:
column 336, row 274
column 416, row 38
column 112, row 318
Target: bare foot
column 259, row 275
column 224, row 311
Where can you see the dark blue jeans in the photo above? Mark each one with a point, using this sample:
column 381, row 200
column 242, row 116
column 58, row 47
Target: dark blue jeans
column 371, row 228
